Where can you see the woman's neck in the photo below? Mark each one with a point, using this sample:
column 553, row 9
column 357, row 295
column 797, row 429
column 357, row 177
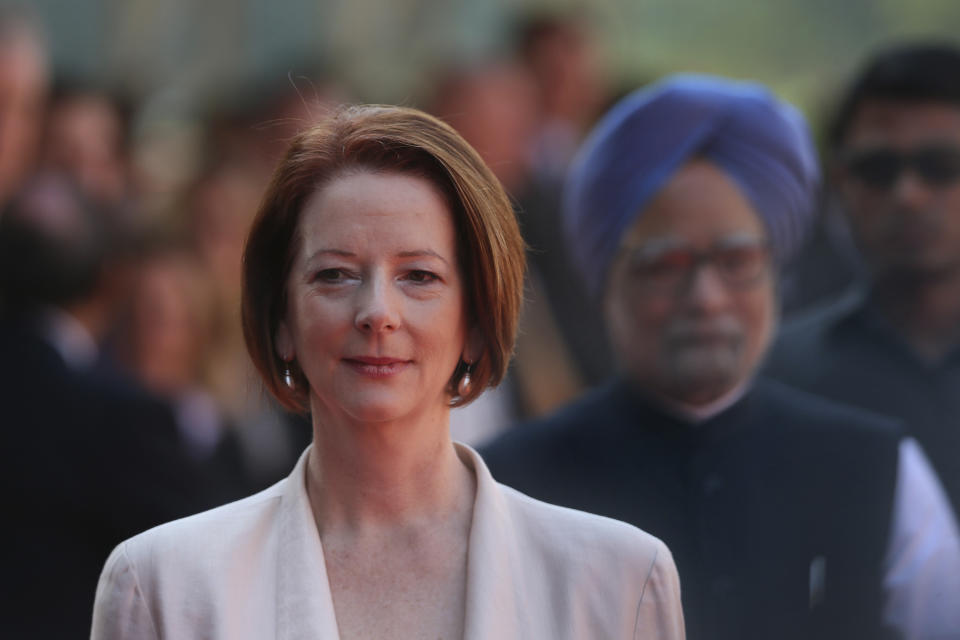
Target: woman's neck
column 367, row 477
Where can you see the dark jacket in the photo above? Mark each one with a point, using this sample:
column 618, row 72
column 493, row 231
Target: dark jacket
column 847, row 351
column 777, row 510
column 85, row 462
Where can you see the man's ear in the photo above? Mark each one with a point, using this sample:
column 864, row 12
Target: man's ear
column 283, row 342
column 473, row 349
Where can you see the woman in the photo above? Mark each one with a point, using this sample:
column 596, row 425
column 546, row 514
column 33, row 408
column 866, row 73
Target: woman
column 382, row 282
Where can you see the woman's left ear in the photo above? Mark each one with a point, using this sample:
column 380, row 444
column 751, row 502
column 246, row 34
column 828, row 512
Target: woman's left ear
column 473, row 349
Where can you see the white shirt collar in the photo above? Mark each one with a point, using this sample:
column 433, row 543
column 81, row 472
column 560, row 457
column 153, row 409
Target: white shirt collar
column 697, row 414
column 69, row 338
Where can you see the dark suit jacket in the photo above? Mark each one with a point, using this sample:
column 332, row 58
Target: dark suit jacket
column 847, row 351
column 777, row 510
column 86, row 463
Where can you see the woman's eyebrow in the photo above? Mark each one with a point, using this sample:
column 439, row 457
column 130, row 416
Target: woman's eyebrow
column 331, row 252
column 419, row 253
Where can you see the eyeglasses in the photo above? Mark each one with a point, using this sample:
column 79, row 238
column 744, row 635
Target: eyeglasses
column 880, row 168
column 740, row 261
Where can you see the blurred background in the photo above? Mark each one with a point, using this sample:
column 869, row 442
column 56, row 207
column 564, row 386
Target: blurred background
column 175, row 55
column 136, row 137
column 168, row 117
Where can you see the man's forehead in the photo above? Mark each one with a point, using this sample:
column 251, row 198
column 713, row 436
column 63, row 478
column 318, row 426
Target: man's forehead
column 698, row 205
column 894, row 122
column 666, row 242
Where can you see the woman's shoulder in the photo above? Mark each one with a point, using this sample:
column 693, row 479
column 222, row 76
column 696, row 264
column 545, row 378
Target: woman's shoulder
column 617, row 578
column 551, row 530
column 207, row 535
column 173, row 576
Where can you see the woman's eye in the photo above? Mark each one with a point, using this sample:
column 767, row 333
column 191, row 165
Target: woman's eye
column 421, row 276
column 330, row 275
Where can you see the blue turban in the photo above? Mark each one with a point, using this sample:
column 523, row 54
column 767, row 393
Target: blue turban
column 758, row 140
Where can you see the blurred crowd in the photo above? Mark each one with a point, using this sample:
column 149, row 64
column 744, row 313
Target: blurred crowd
column 120, row 278
column 120, row 256
column 173, row 217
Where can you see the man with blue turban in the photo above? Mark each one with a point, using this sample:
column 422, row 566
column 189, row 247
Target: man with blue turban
column 786, row 514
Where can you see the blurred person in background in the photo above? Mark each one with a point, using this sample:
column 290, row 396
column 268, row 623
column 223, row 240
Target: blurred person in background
column 892, row 344
column 502, row 108
column 86, row 140
column 253, row 123
column 247, row 131
column 561, row 55
column 383, row 280
column 87, row 137
column 23, row 90
column 493, row 106
column 789, row 516
column 164, row 342
column 827, row 266
column 88, row 458
column 219, row 208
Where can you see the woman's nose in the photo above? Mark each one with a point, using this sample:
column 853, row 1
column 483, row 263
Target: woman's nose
column 377, row 307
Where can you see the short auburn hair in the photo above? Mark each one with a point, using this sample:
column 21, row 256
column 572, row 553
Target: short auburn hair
column 376, row 138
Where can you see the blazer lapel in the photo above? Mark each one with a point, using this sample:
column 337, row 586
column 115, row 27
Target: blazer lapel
column 304, row 602
column 494, row 590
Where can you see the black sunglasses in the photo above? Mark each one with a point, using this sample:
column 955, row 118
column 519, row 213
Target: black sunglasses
column 880, row 168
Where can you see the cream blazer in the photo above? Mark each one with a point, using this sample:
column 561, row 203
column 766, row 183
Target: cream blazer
column 254, row 569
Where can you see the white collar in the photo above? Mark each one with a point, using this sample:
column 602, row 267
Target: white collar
column 69, row 338
column 697, row 414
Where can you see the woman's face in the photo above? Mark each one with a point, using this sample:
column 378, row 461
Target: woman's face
column 375, row 314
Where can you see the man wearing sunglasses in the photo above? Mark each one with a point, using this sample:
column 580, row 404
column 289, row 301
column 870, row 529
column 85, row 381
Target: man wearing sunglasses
column 783, row 511
column 893, row 344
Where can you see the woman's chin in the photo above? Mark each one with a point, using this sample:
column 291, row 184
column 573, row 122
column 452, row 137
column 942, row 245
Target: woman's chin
column 381, row 406
column 377, row 405
column 377, row 413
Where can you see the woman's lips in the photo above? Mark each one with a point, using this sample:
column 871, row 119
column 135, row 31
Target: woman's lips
column 375, row 367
